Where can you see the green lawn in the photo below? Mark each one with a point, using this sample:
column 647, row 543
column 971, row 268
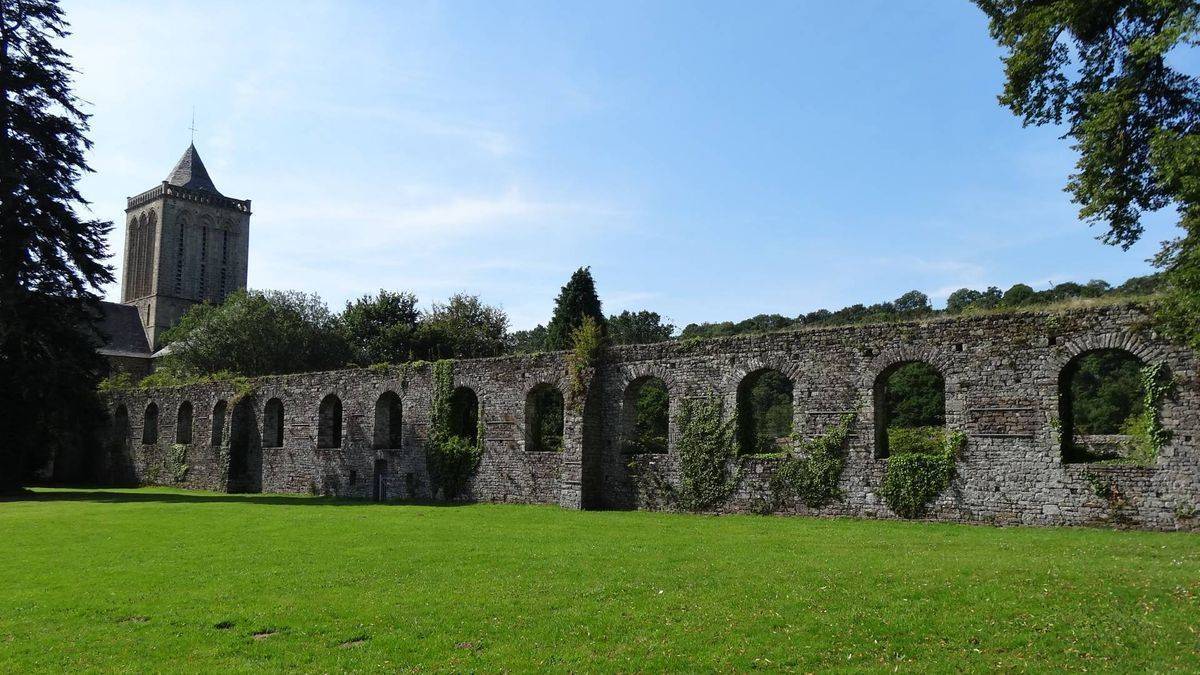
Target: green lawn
column 144, row 580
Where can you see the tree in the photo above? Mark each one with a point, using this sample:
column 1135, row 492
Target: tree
column 635, row 328
column 1102, row 69
column 256, row 333
column 915, row 396
column 961, row 299
column 527, row 341
column 913, row 303
column 383, row 328
column 463, row 328
column 52, row 262
column 576, row 300
column 1017, row 295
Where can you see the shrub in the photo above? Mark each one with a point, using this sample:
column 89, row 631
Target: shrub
column 915, row 477
column 813, row 477
column 587, row 346
column 916, row 440
column 451, row 462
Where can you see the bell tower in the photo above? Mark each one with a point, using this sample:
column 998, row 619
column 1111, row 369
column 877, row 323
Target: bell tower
column 185, row 243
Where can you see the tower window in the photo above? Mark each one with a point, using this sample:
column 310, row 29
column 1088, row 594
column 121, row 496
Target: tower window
column 203, row 260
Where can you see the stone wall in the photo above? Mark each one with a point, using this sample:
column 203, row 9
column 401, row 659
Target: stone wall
column 1001, row 375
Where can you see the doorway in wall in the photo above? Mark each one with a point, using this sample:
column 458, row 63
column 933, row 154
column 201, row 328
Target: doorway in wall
column 379, row 483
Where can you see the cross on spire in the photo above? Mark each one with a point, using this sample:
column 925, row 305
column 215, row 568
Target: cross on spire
column 193, row 127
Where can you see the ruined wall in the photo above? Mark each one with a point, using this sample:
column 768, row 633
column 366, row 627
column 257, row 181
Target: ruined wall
column 1001, row 374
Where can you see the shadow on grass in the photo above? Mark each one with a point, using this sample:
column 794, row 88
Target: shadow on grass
column 111, row 496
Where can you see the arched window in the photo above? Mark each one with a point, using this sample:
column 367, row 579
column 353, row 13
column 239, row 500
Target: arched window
column 218, row 424
column 544, row 419
column 273, row 424
column 764, row 411
column 388, row 421
column 183, row 424
column 150, row 425
column 329, row 423
column 910, row 409
column 645, row 416
column 464, row 415
column 1101, row 407
column 120, row 427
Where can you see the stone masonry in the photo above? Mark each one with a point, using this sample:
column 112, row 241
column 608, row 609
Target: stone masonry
column 1001, row 375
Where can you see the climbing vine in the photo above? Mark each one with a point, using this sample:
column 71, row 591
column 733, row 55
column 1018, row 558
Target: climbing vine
column 813, row 476
column 451, row 459
column 177, row 462
column 917, row 472
column 654, row 488
column 706, row 446
column 1156, row 386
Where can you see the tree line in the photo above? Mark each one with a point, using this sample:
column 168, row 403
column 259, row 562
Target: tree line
column 273, row 332
column 916, row 305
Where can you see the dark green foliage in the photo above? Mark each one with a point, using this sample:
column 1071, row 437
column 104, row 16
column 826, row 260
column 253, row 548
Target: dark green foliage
column 636, row 328
column 650, row 418
column 575, row 301
column 271, row 332
column 920, row 469
column 912, row 304
column 1017, row 295
column 706, row 444
column 915, row 396
column 966, row 298
column 382, row 328
column 52, row 261
column 452, row 465
column 764, row 411
column 257, row 333
column 452, row 449
column 1106, row 390
column 463, row 328
column 544, row 421
column 813, row 476
column 916, row 440
column 1104, row 72
column 913, row 481
column 527, row 341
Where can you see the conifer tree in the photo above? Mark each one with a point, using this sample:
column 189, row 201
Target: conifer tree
column 576, row 300
column 52, row 261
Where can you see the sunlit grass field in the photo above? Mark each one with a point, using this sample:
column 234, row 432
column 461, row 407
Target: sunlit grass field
column 153, row 580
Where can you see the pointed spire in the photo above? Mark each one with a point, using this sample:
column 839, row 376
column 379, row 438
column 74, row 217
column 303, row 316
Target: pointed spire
column 190, row 173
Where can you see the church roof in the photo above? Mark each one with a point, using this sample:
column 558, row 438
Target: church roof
column 122, row 332
column 190, row 173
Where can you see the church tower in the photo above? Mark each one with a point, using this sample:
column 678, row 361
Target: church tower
column 185, row 243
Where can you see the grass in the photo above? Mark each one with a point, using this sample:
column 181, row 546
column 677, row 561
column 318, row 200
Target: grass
column 154, row 579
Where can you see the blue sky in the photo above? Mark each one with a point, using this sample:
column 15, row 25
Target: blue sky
column 708, row 161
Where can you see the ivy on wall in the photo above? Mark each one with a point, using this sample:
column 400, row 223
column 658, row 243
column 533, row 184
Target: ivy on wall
column 1156, row 387
column 706, row 445
column 653, row 486
column 920, row 468
column 177, row 462
column 813, row 476
column 451, row 459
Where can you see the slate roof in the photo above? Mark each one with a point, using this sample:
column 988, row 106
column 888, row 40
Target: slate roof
column 121, row 327
column 190, row 173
